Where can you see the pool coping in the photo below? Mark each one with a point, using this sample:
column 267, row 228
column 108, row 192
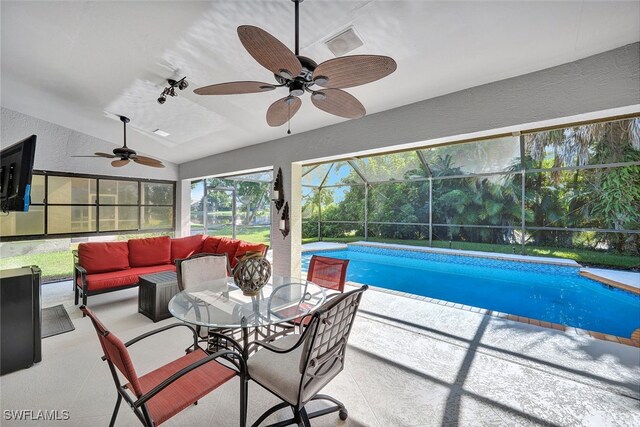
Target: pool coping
column 609, row 282
column 323, row 246
column 633, row 341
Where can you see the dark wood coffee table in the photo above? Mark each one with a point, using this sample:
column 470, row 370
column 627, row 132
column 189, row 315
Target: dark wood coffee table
column 154, row 293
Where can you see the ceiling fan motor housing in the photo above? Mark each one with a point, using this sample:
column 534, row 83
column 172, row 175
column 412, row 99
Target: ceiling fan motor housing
column 124, row 152
column 306, row 75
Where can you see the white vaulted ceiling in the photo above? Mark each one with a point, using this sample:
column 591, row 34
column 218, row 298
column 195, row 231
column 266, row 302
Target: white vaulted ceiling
column 77, row 63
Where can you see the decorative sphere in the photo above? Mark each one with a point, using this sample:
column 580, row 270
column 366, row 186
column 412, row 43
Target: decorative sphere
column 251, row 273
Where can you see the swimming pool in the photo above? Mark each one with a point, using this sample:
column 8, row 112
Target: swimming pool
column 556, row 294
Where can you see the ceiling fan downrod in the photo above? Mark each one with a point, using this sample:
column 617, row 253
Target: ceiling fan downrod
column 125, row 120
column 297, row 35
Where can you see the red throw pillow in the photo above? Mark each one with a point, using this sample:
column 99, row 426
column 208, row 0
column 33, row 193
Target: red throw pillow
column 210, row 245
column 245, row 247
column 186, row 246
column 151, row 251
column 103, row 257
column 228, row 246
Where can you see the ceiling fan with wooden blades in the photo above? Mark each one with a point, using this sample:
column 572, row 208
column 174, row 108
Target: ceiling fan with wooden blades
column 300, row 74
column 125, row 154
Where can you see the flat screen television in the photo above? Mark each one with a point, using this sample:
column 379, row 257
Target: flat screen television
column 16, row 169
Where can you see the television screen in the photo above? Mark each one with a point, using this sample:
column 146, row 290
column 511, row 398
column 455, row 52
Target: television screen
column 16, row 168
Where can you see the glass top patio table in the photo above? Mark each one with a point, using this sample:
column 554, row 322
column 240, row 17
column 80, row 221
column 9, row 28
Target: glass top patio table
column 221, row 304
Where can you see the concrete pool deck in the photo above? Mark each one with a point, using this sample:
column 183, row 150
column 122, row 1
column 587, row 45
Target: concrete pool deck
column 410, row 362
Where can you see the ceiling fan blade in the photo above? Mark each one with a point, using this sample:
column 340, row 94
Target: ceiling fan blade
column 339, row 103
column 282, row 110
column 145, row 159
column 107, row 155
column 270, row 52
column 233, row 88
column 355, row 70
column 146, row 163
column 119, row 163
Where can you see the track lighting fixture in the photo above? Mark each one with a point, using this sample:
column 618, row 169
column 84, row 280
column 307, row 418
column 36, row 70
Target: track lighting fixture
column 170, row 90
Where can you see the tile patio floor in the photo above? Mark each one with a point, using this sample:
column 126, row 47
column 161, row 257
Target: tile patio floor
column 409, row 363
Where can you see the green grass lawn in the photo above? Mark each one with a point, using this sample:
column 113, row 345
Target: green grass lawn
column 582, row 256
column 259, row 234
column 54, row 265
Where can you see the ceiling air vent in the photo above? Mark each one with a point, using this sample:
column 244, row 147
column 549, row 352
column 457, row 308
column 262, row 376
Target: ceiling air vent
column 161, row 132
column 344, row 42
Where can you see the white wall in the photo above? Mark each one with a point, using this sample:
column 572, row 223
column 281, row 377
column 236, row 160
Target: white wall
column 602, row 82
column 56, row 144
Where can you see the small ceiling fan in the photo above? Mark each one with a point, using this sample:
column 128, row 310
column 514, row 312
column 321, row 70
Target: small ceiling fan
column 300, row 74
column 124, row 154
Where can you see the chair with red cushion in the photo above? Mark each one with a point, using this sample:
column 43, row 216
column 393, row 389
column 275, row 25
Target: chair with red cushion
column 326, row 272
column 166, row 391
column 329, row 273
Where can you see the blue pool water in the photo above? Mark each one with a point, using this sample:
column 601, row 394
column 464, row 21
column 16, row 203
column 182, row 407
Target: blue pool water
column 551, row 293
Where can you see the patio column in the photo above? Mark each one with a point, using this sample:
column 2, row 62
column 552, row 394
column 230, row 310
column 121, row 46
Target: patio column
column 183, row 208
column 286, row 251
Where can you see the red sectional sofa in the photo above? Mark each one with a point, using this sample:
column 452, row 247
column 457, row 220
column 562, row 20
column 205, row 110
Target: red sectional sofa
column 110, row 266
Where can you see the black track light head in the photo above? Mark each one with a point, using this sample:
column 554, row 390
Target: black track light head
column 170, row 90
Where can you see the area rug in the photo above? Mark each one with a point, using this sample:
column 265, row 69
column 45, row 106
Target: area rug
column 55, row 321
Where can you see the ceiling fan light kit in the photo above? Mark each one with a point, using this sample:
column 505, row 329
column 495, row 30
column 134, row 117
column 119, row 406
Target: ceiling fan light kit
column 125, row 154
column 300, row 74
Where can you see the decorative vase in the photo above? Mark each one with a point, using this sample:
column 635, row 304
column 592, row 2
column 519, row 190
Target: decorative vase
column 251, row 273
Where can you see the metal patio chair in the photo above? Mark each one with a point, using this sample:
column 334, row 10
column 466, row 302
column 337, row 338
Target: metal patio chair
column 296, row 368
column 329, row 273
column 206, row 272
column 164, row 392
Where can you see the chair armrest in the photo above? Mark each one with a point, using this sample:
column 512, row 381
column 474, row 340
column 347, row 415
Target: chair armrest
column 265, row 343
column 162, row 329
column 77, row 268
column 164, row 384
column 302, row 325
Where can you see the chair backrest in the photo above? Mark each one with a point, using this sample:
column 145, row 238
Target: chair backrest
column 202, row 271
column 325, row 344
column 115, row 352
column 329, row 273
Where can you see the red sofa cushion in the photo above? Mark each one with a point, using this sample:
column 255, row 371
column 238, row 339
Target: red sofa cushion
column 150, row 251
column 116, row 279
column 228, row 246
column 186, row 246
column 210, row 245
column 101, row 257
column 245, row 247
